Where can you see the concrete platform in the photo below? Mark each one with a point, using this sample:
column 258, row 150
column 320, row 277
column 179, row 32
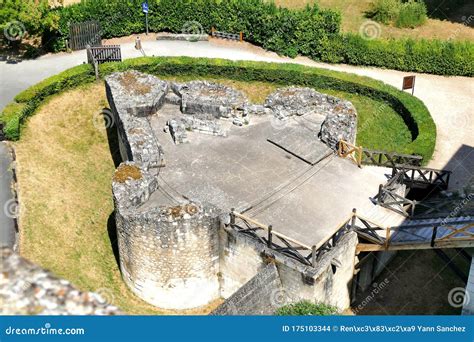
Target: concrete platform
column 301, row 140
column 246, row 172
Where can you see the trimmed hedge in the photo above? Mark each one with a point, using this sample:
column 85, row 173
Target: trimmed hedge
column 309, row 32
column 411, row 109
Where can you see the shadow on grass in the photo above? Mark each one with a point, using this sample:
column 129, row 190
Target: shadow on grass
column 112, row 231
column 112, row 138
column 456, row 11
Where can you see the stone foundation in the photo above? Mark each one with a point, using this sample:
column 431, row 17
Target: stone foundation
column 179, row 254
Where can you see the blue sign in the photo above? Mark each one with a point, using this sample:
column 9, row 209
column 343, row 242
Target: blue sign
column 145, row 7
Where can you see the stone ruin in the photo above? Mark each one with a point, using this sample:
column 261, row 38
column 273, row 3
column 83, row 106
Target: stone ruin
column 27, row 289
column 182, row 255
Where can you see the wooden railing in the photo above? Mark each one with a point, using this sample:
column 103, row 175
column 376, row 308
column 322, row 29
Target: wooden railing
column 388, row 197
column 362, row 156
column 350, row 151
column 225, row 35
column 461, row 235
column 417, row 177
column 272, row 239
column 389, row 159
column 103, row 54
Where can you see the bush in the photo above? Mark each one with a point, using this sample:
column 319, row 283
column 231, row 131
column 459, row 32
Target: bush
column 309, row 31
column 428, row 56
column 288, row 32
column 413, row 111
column 412, row 14
column 307, row 308
column 385, row 11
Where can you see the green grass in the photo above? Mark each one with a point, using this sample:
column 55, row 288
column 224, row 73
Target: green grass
column 354, row 16
column 379, row 127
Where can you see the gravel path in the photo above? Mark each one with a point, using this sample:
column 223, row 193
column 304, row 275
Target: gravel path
column 449, row 99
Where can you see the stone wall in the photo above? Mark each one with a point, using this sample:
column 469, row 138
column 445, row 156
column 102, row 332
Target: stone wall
column 27, row 289
column 169, row 255
column 256, row 297
column 130, row 110
column 243, row 258
column 341, row 116
column 180, row 256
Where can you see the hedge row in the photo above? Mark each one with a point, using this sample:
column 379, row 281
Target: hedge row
column 412, row 110
column 309, row 32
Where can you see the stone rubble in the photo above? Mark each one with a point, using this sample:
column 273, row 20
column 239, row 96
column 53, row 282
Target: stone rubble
column 341, row 116
column 27, row 289
column 204, row 98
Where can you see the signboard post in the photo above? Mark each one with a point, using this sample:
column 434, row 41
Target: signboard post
column 145, row 10
column 409, row 83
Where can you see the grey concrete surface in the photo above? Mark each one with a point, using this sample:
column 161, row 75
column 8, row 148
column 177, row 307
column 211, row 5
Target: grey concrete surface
column 245, row 171
column 7, row 206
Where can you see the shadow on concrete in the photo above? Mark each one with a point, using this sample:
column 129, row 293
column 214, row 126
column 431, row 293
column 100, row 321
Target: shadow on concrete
column 462, row 166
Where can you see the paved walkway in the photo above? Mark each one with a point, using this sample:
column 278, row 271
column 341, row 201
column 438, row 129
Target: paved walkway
column 449, row 99
column 7, row 206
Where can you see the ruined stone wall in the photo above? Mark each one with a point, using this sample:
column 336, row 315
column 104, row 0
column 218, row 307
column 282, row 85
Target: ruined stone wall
column 256, row 297
column 181, row 256
column 243, row 258
column 169, row 256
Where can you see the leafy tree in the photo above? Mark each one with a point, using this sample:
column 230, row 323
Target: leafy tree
column 27, row 17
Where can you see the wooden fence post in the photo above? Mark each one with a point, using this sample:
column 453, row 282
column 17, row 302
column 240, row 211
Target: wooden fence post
column 353, row 219
column 269, row 241
column 232, row 216
column 212, row 31
column 313, row 256
column 241, row 36
column 379, row 196
column 387, row 238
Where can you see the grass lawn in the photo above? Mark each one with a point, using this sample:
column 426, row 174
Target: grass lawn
column 65, row 169
column 353, row 17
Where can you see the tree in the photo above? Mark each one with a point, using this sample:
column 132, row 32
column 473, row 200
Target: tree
column 20, row 18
